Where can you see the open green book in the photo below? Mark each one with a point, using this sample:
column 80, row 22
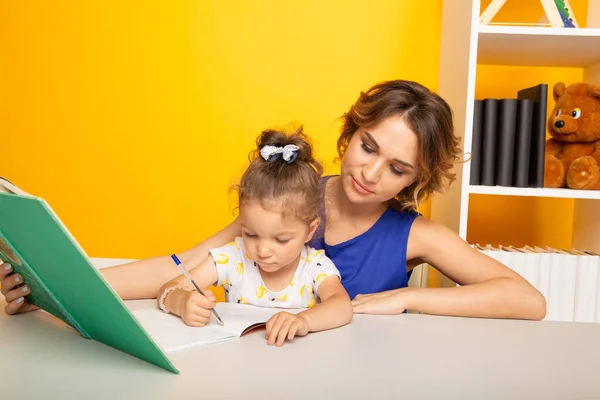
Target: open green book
column 66, row 284
column 62, row 278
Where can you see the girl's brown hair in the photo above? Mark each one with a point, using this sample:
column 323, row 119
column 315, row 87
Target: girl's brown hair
column 427, row 115
column 296, row 184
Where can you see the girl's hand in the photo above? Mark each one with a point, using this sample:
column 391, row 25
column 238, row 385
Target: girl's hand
column 388, row 302
column 191, row 306
column 14, row 291
column 285, row 325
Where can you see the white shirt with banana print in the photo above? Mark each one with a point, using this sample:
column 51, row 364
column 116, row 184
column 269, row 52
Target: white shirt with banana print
column 241, row 279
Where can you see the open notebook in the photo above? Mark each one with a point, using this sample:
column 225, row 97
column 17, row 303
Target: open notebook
column 172, row 334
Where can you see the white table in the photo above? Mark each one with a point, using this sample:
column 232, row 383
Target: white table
column 407, row 356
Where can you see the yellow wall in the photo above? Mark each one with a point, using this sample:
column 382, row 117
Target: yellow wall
column 131, row 118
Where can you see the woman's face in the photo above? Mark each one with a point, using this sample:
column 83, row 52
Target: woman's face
column 380, row 161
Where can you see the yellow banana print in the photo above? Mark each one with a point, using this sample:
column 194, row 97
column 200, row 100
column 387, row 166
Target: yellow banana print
column 240, row 269
column 320, row 277
column 226, row 282
column 312, row 302
column 282, row 297
column 319, row 252
column 222, row 259
column 231, row 243
column 260, row 291
column 293, row 281
column 242, row 301
column 307, row 289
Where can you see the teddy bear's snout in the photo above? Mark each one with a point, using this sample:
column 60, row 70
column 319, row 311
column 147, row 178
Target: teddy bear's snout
column 564, row 125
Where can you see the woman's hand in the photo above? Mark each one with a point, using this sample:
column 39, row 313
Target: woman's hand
column 389, row 302
column 14, row 290
column 284, row 325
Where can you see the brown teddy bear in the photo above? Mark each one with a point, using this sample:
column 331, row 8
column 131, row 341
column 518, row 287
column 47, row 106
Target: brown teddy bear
column 573, row 153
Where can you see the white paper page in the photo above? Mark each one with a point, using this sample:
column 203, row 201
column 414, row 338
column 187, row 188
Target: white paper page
column 238, row 317
column 172, row 334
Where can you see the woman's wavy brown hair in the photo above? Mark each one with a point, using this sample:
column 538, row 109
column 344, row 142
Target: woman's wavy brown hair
column 296, row 184
column 427, row 115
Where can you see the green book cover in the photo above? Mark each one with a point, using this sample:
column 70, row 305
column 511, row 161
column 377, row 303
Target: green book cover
column 63, row 280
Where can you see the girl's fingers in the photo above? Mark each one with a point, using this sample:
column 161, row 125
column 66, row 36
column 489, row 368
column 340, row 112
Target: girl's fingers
column 292, row 332
column 196, row 322
column 201, row 301
column 269, row 325
column 272, row 337
column 201, row 312
column 283, row 332
column 209, row 295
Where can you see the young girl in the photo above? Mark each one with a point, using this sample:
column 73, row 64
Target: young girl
column 270, row 265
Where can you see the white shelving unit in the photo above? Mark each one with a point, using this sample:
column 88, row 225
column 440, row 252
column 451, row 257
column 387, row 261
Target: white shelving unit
column 537, row 46
column 464, row 45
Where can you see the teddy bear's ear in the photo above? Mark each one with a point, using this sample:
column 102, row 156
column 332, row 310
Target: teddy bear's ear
column 559, row 90
column 594, row 91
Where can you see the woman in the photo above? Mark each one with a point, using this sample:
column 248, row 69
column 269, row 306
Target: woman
column 397, row 147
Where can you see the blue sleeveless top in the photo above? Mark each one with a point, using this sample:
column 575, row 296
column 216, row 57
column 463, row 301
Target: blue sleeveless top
column 375, row 260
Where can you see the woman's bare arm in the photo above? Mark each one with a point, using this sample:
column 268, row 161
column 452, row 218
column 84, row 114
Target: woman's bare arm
column 143, row 279
column 488, row 288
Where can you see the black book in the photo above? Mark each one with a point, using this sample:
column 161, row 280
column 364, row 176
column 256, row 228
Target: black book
column 539, row 95
column 476, row 143
column 523, row 143
column 488, row 142
column 505, row 148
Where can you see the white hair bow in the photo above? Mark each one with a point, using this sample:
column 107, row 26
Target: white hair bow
column 288, row 152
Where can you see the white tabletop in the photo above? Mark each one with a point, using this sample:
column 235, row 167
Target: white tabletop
column 408, row 356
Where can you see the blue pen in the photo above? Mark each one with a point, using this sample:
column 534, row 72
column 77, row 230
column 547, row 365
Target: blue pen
column 189, row 278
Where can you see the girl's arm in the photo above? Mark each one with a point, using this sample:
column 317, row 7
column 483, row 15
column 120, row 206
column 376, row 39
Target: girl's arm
column 143, row 279
column 489, row 289
column 334, row 310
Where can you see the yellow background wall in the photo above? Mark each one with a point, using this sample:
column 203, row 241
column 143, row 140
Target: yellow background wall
column 132, row 118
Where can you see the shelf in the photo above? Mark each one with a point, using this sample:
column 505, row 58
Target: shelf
column 538, row 46
column 535, row 192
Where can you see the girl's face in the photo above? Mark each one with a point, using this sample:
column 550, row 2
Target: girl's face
column 379, row 162
column 271, row 241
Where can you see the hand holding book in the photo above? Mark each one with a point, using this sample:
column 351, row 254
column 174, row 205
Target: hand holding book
column 14, row 289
